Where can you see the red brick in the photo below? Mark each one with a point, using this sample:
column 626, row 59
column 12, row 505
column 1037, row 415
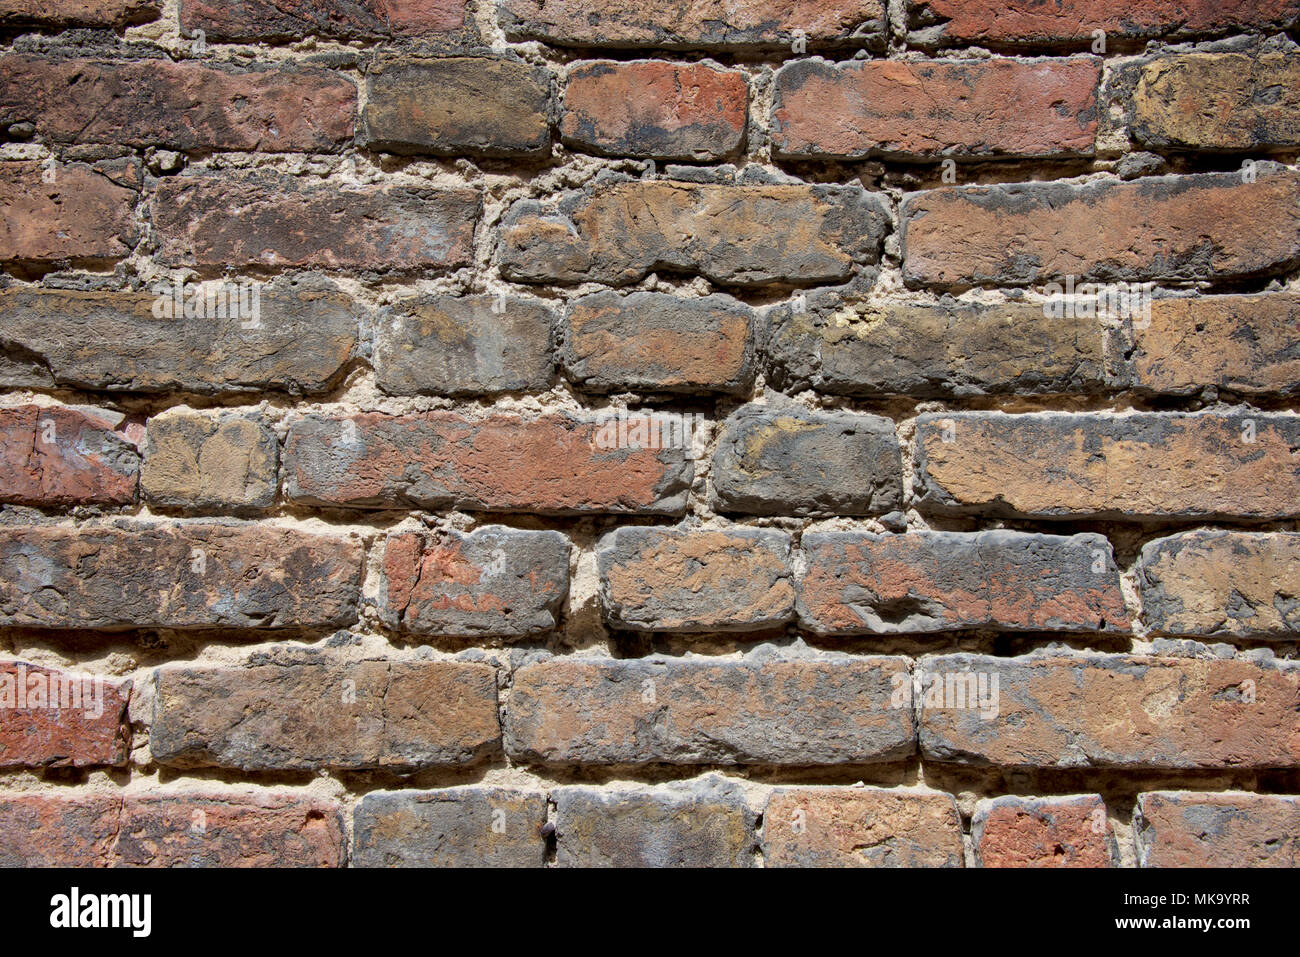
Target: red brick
column 79, row 13
column 960, row 108
column 58, row 830
column 1074, row 21
column 184, row 106
column 269, row 219
column 1046, row 832
column 552, row 464
column 861, row 827
column 82, row 215
column 1110, row 711
column 1143, row 466
column 177, row 575
column 53, row 718
column 1189, row 829
column 295, row 711
column 1210, row 226
column 345, row 19
column 653, row 109
column 922, row 582
column 58, row 456
column 211, row 829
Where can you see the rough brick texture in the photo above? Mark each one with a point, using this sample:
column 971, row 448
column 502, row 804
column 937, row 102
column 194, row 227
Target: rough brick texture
column 295, row 19
column 55, row 213
column 210, row 462
column 1184, row 829
column 54, row 718
column 457, row 827
column 60, row 456
column 1050, row 832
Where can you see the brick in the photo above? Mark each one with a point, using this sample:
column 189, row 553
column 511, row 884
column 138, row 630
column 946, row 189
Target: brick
column 1211, row 226
column 454, row 827
column 695, row 580
column 789, row 461
column 861, row 827
column 659, row 342
column 706, row 25
column 655, row 110
column 1143, row 466
column 1222, row 584
column 1031, row 22
column 900, row 109
column 470, row 345
column 495, row 581
column 859, row 583
column 1218, row 101
column 288, row 712
column 935, row 350
column 797, row 712
column 113, row 341
column 553, row 464
column 1189, row 829
column 269, row 219
column 79, row 13
column 211, row 829
column 733, row 235
column 185, row 106
column 1244, row 344
column 1110, row 711
column 82, row 216
column 1046, row 832
column 54, row 830
column 459, row 106
column 177, row 576
column 702, row 824
column 210, row 462
column 60, row 456
column 55, row 718
column 343, row 19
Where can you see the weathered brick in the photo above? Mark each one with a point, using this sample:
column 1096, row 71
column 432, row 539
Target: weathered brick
column 495, row 581
column 186, row 106
column 733, row 235
column 57, row 455
column 269, row 219
column 455, row 827
column 550, row 464
column 79, row 13
column 211, row 829
column 54, row 718
column 1210, row 226
column 344, row 19
column 790, row 461
column 177, row 576
column 1222, row 584
column 464, row 345
column 82, row 214
column 1245, row 344
column 1110, row 711
column 1190, row 829
column 796, row 712
column 1044, row 832
column 1218, row 101
column 934, row 350
column 287, row 711
column 707, row 25
column 702, row 824
column 861, row 827
column 921, row 109
column 696, row 580
column 113, row 341
column 210, row 461
column 56, row 830
column 1032, row 22
column 459, row 106
column 1143, row 466
column 657, row 110
column 860, row 583
column 659, row 342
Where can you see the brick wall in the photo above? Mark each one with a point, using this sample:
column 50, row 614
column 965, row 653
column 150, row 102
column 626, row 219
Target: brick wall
column 812, row 432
